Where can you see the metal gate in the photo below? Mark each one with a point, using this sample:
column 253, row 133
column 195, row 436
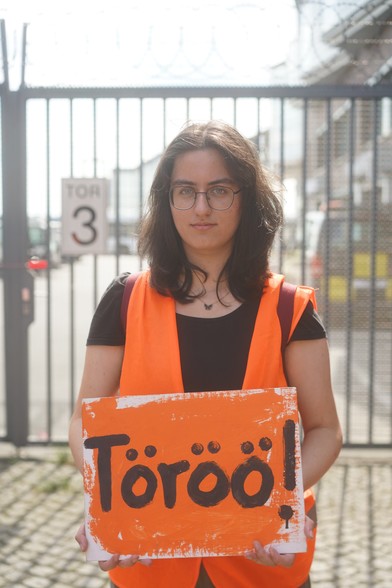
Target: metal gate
column 331, row 145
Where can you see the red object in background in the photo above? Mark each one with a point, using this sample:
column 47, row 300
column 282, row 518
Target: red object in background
column 316, row 267
column 35, row 263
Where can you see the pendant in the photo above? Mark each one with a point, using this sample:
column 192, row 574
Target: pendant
column 208, row 306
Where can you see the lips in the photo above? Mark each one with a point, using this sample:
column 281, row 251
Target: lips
column 202, row 226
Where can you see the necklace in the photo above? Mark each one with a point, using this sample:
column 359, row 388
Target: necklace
column 211, row 304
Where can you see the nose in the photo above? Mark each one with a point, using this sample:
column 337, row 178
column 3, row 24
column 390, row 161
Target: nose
column 201, row 204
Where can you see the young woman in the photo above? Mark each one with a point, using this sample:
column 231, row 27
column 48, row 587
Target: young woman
column 207, row 235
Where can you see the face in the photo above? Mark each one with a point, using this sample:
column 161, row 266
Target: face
column 205, row 232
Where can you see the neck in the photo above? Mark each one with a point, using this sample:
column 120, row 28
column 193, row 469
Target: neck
column 212, row 264
column 209, row 288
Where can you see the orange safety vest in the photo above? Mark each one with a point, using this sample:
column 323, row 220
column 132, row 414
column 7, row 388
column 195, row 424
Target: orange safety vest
column 152, row 365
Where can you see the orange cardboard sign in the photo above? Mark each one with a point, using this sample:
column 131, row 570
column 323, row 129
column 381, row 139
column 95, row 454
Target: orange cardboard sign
column 185, row 475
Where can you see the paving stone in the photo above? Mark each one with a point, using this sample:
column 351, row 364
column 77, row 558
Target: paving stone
column 11, row 576
column 42, row 525
column 37, row 582
column 91, row 583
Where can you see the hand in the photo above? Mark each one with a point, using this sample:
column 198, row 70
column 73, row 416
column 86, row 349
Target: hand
column 309, row 526
column 271, row 557
column 81, row 538
column 115, row 560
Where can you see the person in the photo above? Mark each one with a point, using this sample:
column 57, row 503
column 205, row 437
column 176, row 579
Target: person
column 212, row 216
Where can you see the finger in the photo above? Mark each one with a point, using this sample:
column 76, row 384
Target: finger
column 309, row 526
column 260, row 555
column 285, row 560
column 128, row 562
column 81, row 538
column 110, row 563
column 146, row 562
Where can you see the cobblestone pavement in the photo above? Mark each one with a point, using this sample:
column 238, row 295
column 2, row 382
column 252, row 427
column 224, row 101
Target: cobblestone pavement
column 41, row 507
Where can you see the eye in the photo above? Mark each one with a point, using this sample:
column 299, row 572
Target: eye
column 184, row 191
column 219, row 191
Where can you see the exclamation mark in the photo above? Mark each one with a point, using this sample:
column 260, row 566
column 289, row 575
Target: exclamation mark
column 289, row 455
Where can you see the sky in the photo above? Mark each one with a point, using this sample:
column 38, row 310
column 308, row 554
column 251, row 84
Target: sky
column 159, row 42
column 135, row 42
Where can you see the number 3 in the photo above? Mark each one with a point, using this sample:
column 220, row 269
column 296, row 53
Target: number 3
column 88, row 223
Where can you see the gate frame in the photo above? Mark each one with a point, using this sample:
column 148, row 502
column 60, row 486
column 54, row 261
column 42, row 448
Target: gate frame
column 18, row 283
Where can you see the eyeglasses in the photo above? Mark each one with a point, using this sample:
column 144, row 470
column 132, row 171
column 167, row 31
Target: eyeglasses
column 218, row 197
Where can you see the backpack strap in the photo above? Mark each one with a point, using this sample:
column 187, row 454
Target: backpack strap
column 286, row 310
column 128, row 287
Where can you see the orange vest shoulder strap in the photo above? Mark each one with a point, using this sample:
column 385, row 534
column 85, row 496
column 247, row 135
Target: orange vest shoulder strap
column 285, row 305
column 128, row 287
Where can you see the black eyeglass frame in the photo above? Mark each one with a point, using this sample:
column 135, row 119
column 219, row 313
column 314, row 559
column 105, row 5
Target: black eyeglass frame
column 195, row 195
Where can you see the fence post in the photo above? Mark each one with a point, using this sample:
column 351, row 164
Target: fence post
column 18, row 283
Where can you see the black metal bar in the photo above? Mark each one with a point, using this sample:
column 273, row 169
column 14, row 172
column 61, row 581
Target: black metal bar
column 16, row 317
column 49, row 390
column 164, row 124
column 258, row 125
column 366, row 445
column 350, row 266
column 282, row 172
column 141, row 166
column 328, row 195
column 373, row 268
column 304, row 188
column 313, row 92
column 4, row 53
column 95, row 171
column 24, row 47
column 71, row 273
column 117, row 189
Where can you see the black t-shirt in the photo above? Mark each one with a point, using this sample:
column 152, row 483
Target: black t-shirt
column 213, row 351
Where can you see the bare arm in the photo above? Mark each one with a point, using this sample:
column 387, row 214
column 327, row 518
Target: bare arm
column 101, row 377
column 308, row 369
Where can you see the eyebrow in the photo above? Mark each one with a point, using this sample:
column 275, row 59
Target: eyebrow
column 183, row 182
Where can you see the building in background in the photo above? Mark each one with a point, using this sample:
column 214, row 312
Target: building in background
column 347, row 154
column 346, row 44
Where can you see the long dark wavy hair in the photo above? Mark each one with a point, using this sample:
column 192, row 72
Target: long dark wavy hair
column 261, row 216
